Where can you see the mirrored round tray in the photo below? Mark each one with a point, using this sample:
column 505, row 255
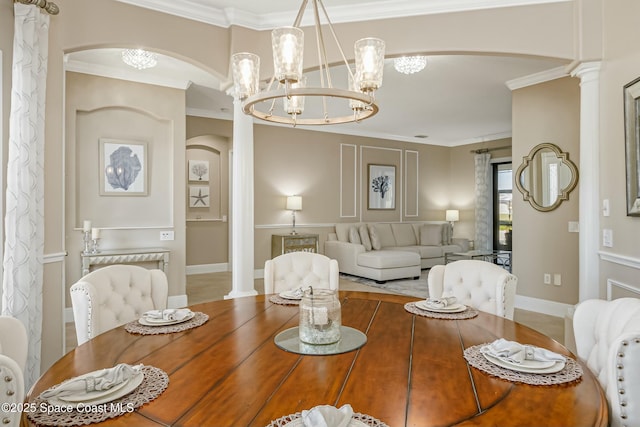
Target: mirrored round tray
column 350, row 339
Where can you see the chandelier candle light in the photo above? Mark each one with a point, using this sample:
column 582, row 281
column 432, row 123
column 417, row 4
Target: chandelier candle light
column 291, row 86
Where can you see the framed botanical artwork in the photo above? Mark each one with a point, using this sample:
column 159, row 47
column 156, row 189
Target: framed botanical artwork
column 199, row 170
column 382, row 186
column 123, row 168
column 199, row 196
column 632, row 145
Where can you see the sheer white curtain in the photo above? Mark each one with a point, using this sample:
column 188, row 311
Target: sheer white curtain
column 483, row 218
column 24, row 220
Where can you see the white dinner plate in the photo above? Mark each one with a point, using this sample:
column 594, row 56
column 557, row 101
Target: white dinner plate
column 453, row 308
column 299, row 423
column 528, row 366
column 148, row 321
column 102, row 396
column 290, row 295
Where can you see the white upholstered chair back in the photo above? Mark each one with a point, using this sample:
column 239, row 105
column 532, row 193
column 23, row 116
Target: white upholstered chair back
column 608, row 339
column 479, row 284
column 114, row 295
column 13, row 357
column 300, row 269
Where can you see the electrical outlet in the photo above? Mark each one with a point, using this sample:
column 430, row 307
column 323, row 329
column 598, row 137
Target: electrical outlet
column 557, row 279
column 166, row 235
column 547, row 278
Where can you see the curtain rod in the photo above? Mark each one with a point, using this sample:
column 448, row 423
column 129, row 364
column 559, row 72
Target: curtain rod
column 48, row 6
column 486, row 150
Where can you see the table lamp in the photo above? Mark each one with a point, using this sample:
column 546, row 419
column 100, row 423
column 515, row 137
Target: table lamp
column 294, row 203
column 452, row 215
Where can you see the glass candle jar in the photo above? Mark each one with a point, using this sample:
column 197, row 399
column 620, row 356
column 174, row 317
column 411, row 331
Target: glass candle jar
column 320, row 316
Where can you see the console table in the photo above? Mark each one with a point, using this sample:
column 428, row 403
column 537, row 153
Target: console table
column 126, row 256
column 502, row 258
column 285, row 243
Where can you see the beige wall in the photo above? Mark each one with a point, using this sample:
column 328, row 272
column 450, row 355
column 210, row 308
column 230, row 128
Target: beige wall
column 98, row 108
column 548, row 112
column 621, row 66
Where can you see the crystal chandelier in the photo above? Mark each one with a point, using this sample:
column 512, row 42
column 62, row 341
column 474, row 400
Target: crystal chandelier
column 290, row 85
column 410, row 64
column 139, row 58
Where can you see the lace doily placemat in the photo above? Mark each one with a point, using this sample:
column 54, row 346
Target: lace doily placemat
column 277, row 299
column 295, row 420
column 136, row 328
column 571, row 372
column 469, row 313
column 154, row 383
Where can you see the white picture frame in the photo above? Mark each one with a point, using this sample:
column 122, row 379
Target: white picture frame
column 199, row 196
column 382, row 186
column 198, row 170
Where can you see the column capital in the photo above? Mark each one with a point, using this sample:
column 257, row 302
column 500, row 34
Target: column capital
column 586, row 70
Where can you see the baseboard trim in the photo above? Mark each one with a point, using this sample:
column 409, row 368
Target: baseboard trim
column 538, row 305
column 207, row 268
column 175, row 301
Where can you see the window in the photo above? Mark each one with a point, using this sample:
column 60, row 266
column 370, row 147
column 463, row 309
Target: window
column 502, row 206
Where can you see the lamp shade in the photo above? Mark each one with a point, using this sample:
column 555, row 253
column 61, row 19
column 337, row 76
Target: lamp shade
column 294, row 203
column 452, row 215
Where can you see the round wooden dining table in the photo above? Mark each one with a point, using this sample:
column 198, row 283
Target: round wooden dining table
column 410, row 372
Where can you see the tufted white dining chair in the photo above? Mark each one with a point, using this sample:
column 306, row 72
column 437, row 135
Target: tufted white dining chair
column 13, row 357
column 296, row 269
column 479, row 284
column 607, row 337
column 114, row 295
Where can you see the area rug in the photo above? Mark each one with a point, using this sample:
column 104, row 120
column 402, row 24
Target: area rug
column 411, row 287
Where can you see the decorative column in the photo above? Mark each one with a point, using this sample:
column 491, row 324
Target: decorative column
column 242, row 200
column 589, row 183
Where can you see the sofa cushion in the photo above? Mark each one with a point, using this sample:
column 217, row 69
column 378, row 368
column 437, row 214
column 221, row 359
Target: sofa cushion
column 375, row 238
column 354, row 235
column 404, row 234
column 364, row 237
column 431, row 235
column 423, row 251
column 388, row 259
column 383, row 229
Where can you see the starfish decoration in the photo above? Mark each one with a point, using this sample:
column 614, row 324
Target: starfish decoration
column 200, row 199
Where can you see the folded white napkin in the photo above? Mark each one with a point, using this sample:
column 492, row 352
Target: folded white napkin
column 327, row 416
column 442, row 302
column 168, row 314
column 297, row 292
column 517, row 353
column 103, row 379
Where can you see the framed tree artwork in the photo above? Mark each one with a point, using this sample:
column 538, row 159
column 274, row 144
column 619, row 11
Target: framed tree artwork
column 382, row 186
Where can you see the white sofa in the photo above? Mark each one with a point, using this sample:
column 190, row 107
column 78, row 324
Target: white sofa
column 391, row 250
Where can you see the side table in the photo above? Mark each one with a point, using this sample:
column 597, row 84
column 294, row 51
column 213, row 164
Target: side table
column 285, row 243
column 126, row 256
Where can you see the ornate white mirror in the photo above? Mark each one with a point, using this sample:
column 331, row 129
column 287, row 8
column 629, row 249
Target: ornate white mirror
column 546, row 177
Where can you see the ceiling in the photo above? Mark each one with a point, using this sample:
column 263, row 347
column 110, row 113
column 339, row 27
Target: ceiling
column 455, row 100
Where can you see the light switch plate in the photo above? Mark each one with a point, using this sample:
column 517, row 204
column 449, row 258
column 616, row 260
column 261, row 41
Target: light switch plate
column 605, row 207
column 607, row 238
column 574, row 227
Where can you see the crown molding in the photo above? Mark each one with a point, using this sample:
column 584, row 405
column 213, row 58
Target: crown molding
column 537, row 78
column 202, row 12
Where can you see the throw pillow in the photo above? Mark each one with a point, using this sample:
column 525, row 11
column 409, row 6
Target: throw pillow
column 354, row 237
column 431, row 235
column 364, row 237
column 375, row 239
